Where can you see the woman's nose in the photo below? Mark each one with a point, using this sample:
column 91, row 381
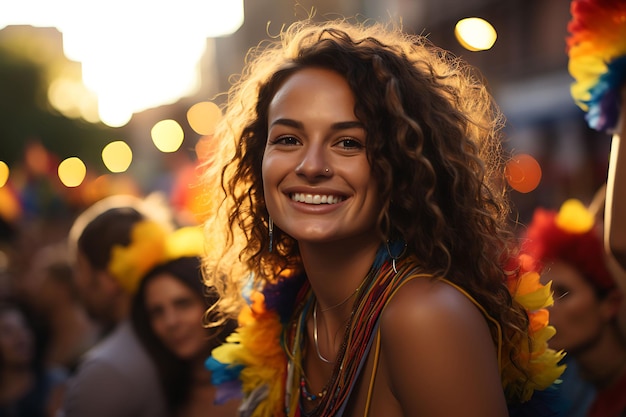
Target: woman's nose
column 170, row 318
column 314, row 163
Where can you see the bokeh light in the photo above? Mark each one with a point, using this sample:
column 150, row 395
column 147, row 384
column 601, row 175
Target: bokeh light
column 167, row 135
column 72, row 172
column 203, row 117
column 37, row 158
column 523, row 173
column 117, row 156
column 10, row 209
column 4, row 173
column 111, row 115
column 105, row 185
column 475, row 34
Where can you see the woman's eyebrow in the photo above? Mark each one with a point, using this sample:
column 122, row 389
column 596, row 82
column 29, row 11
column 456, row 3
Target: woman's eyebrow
column 335, row 126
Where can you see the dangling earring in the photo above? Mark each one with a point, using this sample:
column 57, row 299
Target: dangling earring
column 271, row 230
column 393, row 257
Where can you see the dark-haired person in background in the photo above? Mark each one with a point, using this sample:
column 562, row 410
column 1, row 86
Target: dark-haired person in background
column 116, row 378
column 27, row 387
column 168, row 315
column 568, row 246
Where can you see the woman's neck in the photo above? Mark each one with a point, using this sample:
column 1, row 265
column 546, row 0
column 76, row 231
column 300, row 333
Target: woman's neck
column 604, row 362
column 335, row 271
column 200, row 375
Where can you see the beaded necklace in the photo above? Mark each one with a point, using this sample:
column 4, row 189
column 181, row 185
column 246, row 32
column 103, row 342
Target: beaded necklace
column 377, row 287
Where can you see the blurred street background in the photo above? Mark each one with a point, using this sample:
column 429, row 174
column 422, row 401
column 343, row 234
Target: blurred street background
column 99, row 98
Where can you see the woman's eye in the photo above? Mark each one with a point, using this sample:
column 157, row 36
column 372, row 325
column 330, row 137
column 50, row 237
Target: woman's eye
column 286, row 140
column 184, row 303
column 559, row 292
column 348, row 143
column 155, row 313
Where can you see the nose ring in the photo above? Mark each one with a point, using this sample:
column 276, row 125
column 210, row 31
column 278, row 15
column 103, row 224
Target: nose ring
column 327, row 170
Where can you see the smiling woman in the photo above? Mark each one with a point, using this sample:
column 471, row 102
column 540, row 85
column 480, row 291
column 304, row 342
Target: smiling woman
column 362, row 238
column 168, row 315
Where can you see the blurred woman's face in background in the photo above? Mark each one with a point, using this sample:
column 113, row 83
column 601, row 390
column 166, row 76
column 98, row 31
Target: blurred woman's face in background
column 176, row 314
column 16, row 340
column 577, row 313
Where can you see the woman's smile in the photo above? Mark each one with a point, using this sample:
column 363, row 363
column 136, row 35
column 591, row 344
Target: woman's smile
column 316, row 198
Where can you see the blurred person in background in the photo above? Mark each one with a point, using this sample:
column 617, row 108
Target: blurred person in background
column 117, row 376
column 70, row 330
column 168, row 315
column 568, row 246
column 27, row 388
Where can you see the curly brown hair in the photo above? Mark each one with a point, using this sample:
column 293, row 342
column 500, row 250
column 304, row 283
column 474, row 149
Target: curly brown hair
column 433, row 145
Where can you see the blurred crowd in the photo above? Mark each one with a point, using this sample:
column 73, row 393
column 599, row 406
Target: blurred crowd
column 82, row 332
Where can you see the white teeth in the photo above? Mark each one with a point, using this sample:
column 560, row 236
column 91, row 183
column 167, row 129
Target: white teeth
column 315, row 198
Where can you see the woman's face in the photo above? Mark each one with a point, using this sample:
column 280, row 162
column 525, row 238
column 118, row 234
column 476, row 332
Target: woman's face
column 16, row 339
column 176, row 313
column 317, row 180
column 578, row 315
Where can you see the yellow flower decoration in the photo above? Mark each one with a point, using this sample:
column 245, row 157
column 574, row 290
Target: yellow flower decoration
column 542, row 363
column 186, row 241
column 151, row 245
column 574, row 217
column 256, row 345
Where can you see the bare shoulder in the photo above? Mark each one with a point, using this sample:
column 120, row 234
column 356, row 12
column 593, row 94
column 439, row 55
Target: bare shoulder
column 436, row 347
column 426, row 302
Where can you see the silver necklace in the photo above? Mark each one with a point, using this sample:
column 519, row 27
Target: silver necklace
column 315, row 342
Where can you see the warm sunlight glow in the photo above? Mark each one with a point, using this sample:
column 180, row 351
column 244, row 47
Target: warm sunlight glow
column 4, row 173
column 117, row 156
column 475, row 34
column 135, row 54
column 72, row 172
column 167, row 135
column 203, row 117
column 523, row 173
column 70, row 96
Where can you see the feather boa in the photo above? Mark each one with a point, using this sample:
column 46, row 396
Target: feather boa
column 597, row 59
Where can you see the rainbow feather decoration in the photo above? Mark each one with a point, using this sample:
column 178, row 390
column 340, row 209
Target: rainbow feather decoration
column 253, row 360
column 597, row 59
